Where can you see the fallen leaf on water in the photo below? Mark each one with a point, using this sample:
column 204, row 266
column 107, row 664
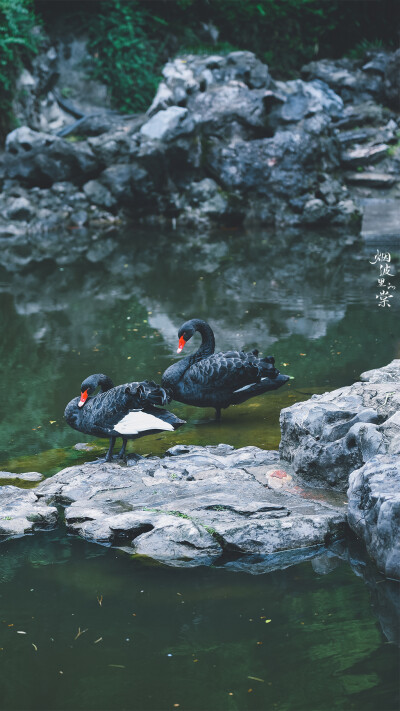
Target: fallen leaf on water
column 117, row 666
column 34, row 647
column 266, row 621
column 52, row 421
column 100, row 600
column 255, row 678
column 303, row 354
column 21, row 632
column 98, row 640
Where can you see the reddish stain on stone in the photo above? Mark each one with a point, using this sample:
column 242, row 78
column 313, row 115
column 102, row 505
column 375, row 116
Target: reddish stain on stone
column 279, row 473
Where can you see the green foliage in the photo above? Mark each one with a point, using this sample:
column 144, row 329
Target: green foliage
column 125, row 54
column 18, row 43
column 360, row 49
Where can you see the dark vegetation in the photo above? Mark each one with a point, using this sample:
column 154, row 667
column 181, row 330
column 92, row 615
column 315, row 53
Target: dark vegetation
column 130, row 40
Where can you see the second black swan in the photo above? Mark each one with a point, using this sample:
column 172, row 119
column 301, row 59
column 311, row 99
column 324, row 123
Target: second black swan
column 208, row 379
column 129, row 411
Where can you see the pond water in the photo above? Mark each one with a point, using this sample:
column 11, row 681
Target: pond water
column 310, row 302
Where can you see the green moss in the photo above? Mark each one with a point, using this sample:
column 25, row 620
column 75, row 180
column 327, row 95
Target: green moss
column 393, row 150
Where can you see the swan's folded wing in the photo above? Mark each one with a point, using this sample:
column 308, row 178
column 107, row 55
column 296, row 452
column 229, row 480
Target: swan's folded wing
column 224, row 371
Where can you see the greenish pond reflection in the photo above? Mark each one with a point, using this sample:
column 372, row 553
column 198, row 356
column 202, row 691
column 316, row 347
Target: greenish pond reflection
column 105, row 632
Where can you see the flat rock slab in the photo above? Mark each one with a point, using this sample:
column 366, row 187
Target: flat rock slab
column 371, row 180
column 193, row 506
column 21, row 512
column 364, row 155
column 27, row 476
column 381, row 219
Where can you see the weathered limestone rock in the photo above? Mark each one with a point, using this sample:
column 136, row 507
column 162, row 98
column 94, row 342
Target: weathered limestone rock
column 330, row 435
column 22, row 512
column 192, row 506
column 43, row 159
column 374, row 510
column 168, row 124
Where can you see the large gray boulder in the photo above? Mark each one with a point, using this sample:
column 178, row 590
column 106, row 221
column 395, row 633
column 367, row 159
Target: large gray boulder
column 189, row 508
column 374, row 510
column 186, row 76
column 42, row 159
column 330, row 435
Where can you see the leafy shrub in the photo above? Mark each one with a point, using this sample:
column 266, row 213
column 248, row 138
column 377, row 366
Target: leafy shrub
column 18, row 44
column 126, row 56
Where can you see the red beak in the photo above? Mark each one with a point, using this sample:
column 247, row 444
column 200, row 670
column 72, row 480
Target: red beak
column 84, row 397
column 181, row 344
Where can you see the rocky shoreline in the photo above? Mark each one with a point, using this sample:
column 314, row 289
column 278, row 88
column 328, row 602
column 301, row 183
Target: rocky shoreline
column 223, row 143
column 251, row 507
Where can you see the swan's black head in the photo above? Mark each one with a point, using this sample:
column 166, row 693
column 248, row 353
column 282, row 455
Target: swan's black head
column 90, row 384
column 186, row 331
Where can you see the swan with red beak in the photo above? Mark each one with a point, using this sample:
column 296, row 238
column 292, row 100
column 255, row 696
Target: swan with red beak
column 209, row 379
column 128, row 411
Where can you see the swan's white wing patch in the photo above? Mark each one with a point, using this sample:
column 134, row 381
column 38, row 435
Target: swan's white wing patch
column 246, row 387
column 139, row 421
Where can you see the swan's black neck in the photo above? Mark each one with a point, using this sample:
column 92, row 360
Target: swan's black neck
column 207, row 346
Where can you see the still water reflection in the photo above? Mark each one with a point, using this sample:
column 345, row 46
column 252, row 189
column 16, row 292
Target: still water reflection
column 84, row 627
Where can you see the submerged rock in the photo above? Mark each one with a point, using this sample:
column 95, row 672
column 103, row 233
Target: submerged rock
column 193, row 506
column 26, row 476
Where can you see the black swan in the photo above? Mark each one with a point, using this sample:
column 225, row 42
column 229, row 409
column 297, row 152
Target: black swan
column 126, row 411
column 218, row 380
